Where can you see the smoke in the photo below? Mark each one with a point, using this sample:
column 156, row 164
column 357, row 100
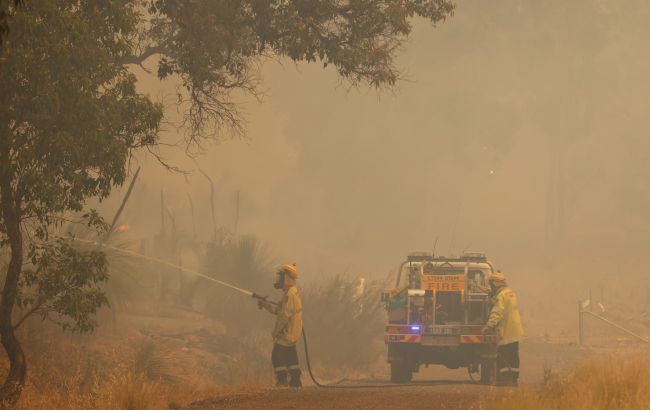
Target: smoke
column 520, row 130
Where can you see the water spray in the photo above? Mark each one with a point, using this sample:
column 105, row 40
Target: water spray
column 258, row 297
column 173, row 265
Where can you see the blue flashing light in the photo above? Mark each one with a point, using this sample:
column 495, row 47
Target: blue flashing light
column 415, row 328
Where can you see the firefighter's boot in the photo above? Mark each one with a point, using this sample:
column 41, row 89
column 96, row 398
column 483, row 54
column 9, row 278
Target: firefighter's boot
column 514, row 378
column 508, row 378
column 503, row 377
column 295, row 378
column 281, row 378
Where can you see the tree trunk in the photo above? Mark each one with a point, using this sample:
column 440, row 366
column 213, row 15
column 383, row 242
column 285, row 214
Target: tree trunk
column 13, row 385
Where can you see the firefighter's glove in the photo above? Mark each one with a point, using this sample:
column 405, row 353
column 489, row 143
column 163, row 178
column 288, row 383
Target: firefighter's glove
column 263, row 304
column 486, row 330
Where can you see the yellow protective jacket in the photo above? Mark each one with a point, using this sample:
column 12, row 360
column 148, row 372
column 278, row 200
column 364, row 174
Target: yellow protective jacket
column 288, row 325
column 505, row 317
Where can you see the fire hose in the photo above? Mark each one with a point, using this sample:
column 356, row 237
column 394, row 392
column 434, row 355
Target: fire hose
column 255, row 296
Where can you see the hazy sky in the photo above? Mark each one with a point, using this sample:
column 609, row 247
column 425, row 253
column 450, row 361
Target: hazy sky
column 521, row 130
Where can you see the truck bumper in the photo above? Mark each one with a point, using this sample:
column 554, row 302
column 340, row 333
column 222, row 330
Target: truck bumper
column 392, row 338
column 439, row 340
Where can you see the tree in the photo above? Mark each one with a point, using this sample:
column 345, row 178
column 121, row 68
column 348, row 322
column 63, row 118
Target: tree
column 4, row 26
column 71, row 117
column 67, row 125
column 214, row 46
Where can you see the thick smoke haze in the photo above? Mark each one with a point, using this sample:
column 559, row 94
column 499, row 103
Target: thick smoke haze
column 519, row 130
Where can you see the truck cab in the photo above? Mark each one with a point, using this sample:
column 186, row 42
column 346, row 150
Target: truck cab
column 436, row 314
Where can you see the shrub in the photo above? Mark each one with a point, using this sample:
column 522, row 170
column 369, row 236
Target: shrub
column 605, row 383
column 129, row 391
column 151, row 363
column 344, row 322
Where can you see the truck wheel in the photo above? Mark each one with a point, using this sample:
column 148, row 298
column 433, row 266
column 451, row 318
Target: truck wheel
column 400, row 372
column 488, row 372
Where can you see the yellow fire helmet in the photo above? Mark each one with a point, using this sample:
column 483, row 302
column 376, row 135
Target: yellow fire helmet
column 498, row 277
column 291, row 270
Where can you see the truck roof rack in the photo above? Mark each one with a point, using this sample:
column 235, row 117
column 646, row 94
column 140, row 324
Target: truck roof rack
column 419, row 257
column 474, row 257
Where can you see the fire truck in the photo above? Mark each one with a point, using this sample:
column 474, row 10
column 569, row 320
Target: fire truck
column 436, row 314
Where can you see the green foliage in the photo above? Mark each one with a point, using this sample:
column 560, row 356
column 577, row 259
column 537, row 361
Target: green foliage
column 70, row 116
column 5, row 6
column 124, row 270
column 70, row 119
column 214, row 46
column 64, row 285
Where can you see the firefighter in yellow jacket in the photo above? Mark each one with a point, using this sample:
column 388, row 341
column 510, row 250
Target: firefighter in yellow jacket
column 288, row 327
column 505, row 319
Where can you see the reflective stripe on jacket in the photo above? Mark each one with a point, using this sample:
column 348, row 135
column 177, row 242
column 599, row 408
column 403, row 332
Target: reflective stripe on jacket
column 505, row 317
column 288, row 325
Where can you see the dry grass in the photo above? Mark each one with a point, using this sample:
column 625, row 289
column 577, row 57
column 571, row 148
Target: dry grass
column 128, row 391
column 596, row 383
column 140, row 375
column 131, row 371
column 120, row 389
column 153, row 364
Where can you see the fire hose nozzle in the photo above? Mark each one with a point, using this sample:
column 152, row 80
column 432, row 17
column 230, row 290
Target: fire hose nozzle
column 263, row 299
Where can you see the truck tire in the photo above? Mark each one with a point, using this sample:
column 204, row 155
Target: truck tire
column 401, row 372
column 489, row 372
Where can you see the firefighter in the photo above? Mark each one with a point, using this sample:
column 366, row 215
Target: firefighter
column 288, row 327
column 505, row 320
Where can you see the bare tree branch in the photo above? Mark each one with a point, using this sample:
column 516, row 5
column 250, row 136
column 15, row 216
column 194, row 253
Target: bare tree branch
column 142, row 57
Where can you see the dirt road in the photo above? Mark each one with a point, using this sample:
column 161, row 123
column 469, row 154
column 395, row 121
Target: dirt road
column 442, row 396
column 433, row 388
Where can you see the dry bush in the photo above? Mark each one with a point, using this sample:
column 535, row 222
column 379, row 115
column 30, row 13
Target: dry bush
column 244, row 262
column 82, row 372
column 344, row 323
column 128, row 391
column 152, row 363
column 603, row 383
